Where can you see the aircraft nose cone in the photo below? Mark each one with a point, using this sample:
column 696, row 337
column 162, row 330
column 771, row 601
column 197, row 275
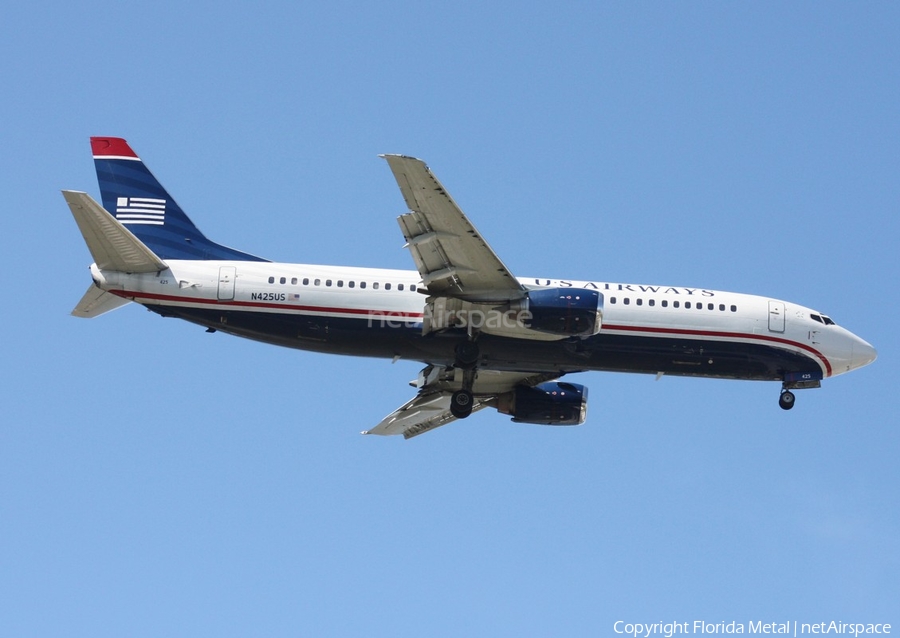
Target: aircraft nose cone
column 863, row 354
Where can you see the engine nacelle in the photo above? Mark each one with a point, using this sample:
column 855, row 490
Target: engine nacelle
column 552, row 403
column 576, row 312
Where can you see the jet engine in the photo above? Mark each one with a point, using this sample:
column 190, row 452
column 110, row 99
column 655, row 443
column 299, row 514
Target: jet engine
column 552, row 403
column 565, row 311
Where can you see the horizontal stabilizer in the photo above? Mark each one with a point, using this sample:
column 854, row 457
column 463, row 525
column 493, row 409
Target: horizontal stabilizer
column 97, row 302
column 112, row 246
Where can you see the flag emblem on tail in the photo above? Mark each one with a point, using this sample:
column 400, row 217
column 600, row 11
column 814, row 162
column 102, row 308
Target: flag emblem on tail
column 141, row 210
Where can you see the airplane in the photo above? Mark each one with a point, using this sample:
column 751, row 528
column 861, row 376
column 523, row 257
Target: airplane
column 485, row 337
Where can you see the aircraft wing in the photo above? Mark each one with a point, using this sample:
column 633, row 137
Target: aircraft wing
column 427, row 411
column 430, row 409
column 450, row 254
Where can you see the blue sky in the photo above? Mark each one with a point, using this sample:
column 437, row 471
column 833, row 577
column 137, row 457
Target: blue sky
column 157, row 480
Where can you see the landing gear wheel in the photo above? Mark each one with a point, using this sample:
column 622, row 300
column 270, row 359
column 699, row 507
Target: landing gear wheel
column 467, row 354
column 786, row 400
column 461, row 404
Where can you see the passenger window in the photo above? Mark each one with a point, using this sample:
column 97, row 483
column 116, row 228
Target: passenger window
column 351, row 284
column 293, row 281
column 711, row 306
column 412, row 288
column 340, row 283
column 626, row 301
column 327, row 282
column 675, row 304
column 362, row 284
column 639, row 302
column 734, row 309
column 665, row 303
column 687, row 304
column 306, row 281
column 375, row 286
column 387, row 286
column 317, row 282
column 282, row 280
column 271, row 280
column 399, row 286
column 612, row 300
column 651, row 302
column 722, row 307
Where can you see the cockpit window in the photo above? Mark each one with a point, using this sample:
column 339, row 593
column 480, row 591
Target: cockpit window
column 827, row 320
column 816, row 318
column 822, row 319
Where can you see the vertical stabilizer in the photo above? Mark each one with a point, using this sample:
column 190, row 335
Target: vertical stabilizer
column 135, row 197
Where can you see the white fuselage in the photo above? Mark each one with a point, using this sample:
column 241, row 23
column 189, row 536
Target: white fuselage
column 376, row 297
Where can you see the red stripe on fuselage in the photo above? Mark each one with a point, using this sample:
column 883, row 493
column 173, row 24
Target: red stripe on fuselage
column 256, row 304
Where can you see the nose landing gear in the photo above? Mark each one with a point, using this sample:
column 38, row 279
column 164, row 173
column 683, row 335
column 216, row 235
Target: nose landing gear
column 797, row 381
column 786, row 400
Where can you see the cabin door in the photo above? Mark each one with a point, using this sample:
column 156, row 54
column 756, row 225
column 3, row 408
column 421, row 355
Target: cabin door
column 226, row 283
column 776, row 316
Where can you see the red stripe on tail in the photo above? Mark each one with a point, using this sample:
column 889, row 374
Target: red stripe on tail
column 116, row 146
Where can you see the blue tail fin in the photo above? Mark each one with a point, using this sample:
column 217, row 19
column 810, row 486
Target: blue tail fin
column 138, row 200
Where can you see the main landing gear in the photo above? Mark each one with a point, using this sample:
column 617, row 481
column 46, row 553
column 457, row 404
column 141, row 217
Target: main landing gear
column 461, row 403
column 462, row 400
